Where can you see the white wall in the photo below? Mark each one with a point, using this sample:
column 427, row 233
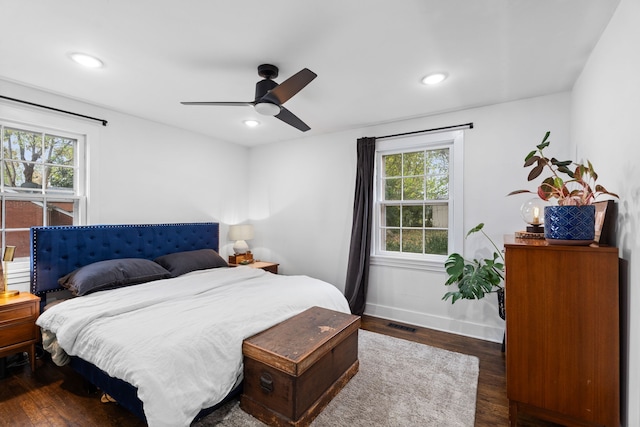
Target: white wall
column 142, row 171
column 302, row 201
column 606, row 102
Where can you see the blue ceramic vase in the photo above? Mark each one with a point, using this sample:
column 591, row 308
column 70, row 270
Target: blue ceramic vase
column 569, row 225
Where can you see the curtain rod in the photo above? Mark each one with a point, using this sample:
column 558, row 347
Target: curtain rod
column 466, row 125
column 104, row 122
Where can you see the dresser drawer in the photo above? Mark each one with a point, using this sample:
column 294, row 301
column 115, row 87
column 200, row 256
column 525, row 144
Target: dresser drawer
column 17, row 312
column 17, row 333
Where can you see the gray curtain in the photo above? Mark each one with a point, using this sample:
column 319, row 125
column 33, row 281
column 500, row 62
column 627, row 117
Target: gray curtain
column 358, row 267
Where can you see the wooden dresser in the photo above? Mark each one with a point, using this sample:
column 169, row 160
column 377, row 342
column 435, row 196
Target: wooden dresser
column 18, row 330
column 562, row 333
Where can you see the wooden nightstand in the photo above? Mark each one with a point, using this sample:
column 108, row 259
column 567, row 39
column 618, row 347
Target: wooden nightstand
column 18, row 330
column 271, row 267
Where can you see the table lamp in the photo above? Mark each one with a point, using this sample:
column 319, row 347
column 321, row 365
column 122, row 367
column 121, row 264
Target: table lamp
column 240, row 233
column 532, row 212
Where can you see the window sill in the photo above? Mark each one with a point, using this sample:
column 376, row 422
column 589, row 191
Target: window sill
column 414, row 263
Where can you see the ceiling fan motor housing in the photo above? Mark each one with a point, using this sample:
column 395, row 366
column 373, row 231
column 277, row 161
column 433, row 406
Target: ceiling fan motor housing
column 265, row 107
column 264, row 86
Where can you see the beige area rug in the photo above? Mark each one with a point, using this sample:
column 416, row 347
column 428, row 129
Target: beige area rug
column 400, row 383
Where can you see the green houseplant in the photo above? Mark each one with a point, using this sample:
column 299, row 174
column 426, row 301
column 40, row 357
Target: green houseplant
column 577, row 188
column 573, row 186
column 476, row 277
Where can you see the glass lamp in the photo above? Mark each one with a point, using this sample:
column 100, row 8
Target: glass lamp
column 532, row 212
column 240, row 233
column 9, row 252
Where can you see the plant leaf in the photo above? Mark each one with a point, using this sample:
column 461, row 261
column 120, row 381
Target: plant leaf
column 475, row 229
column 566, row 170
column 529, row 156
column 545, row 142
column 546, row 136
column 519, row 192
column 601, row 189
column 559, row 163
column 531, row 159
column 535, row 172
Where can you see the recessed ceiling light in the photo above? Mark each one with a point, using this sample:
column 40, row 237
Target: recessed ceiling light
column 87, row 60
column 251, row 123
column 434, row 79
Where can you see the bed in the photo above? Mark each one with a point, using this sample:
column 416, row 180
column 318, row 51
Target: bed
column 167, row 349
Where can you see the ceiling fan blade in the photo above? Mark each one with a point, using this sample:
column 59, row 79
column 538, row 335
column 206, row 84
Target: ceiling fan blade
column 294, row 84
column 220, row 103
column 291, row 119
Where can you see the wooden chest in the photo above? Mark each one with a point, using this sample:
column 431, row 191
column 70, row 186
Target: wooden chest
column 294, row 369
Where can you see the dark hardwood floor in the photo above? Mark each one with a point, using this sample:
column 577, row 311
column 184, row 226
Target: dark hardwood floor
column 54, row 396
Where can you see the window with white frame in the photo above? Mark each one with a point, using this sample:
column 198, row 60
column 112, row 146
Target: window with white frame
column 41, row 181
column 418, row 199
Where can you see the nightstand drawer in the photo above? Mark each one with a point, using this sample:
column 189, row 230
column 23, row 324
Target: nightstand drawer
column 13, row 313
column 17, row 333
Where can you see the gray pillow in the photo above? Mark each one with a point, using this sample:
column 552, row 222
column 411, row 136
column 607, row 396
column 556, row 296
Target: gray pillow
column 110, row 274
column 179, row 263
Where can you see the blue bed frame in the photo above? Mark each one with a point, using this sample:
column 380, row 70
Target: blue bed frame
column 56, row 251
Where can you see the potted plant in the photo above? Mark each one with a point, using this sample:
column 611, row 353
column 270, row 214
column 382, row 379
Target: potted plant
column 574, row 187
column 476, row 277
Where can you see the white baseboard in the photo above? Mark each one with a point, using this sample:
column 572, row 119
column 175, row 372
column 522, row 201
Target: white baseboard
column 469, row 329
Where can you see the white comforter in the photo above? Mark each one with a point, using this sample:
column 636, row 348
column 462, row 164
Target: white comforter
column 179, row 341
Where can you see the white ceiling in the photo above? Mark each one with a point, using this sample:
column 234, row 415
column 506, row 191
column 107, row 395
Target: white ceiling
column 369, row 56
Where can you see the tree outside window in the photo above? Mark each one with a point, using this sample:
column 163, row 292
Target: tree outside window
column 39, row 183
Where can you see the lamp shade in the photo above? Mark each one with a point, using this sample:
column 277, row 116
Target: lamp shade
column 532, row 211
column 241, row 232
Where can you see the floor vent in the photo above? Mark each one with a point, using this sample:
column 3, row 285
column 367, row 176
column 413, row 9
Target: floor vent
column 402, row 327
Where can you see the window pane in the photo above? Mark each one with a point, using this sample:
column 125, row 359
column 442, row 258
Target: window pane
column 436, row 241
column 436, row 216
column 437, row 162
column 23, row 175
column 23, row 214
column 392, row 165
column 392, row 240
column 61, row 213
column 61, row 150
column 392, row 216
column 392, row 189
column 22, row 145
column 412, row 241
column 60, row 178
column 21, row 240
column 413, row 163
column 412, row 216
column 438, row 187
column 413, row 188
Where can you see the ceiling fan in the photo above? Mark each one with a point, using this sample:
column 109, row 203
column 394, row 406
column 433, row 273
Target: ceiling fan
column 270, row 95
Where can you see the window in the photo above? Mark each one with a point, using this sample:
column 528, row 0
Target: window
column 41, row 181
column 418, row 200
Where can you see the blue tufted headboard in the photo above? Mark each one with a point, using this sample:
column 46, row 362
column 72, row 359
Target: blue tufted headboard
column 56, row 251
